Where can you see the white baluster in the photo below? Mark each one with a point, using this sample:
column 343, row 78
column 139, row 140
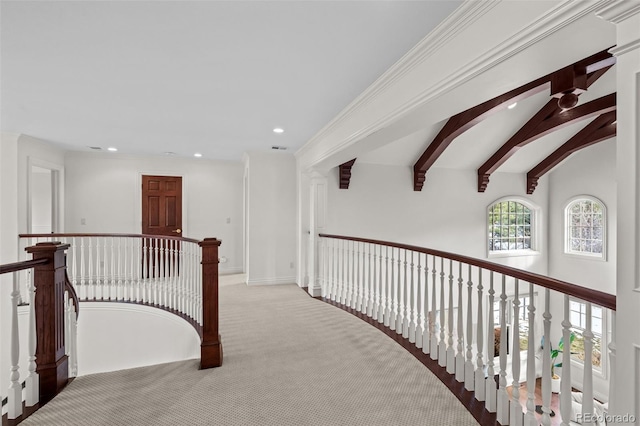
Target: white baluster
column 113, row 295
column 530, row 418
column 353, row 287
column 612, row 362
column 419, row 327
column 546, row 361
column 321, row 262
column 393, row 299
column 84, row 291
column 119, row 285
column 400, row 307
column 380, row 298
column 358, row 280
column 375, row 302
column 73, row 329
column 490, row 382
column 411, row 309
column 334, row 270
column 426, row 338
column 516, row 417
column 565, row 384
column 451, row 354
column 405, row 300
column 368, row 282
column 460, row 363
column 480, row 388
column 434, row 309
column 388, row 307
column 104, row 295
column 502, row 413
column 442, row 355
column 469, row 376
column 32, row 383
column 587, row 381
column 14, row 397
column 80, row 282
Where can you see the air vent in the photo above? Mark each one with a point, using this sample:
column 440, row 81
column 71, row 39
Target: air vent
column 281, row 148
column 95, row 148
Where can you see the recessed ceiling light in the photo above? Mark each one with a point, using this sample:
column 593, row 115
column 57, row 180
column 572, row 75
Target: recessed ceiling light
column 112, row 149
column 513, row 105
column 197, row 154
column 278, row 130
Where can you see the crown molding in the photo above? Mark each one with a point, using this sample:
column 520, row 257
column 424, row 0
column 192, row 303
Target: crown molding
column 616, row 11
column 562, row 15
column 460, row 19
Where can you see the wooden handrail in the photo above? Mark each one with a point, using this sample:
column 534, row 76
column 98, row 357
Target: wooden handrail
column 599, row 298
column 20, row 266
column 168, row 237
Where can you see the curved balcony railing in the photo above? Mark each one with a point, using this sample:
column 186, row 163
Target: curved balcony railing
column 179, row 275
column 483, row 323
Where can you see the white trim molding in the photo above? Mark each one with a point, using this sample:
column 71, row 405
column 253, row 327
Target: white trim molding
column 273, row 281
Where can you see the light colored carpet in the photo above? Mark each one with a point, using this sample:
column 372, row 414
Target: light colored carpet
column 288, row 360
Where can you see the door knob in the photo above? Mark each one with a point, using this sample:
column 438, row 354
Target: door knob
column 178, row 231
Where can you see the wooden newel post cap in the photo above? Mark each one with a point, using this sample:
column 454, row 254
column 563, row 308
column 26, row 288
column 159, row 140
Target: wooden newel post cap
column 210, row 242
column 47, row 246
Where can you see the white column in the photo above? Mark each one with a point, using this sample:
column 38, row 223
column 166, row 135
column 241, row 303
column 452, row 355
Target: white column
column 625, row 15
column 318, row 209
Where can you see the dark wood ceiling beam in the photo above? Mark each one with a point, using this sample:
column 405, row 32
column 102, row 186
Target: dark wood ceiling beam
column 345, row 173
column 460, row 123
column 550, row 117
column 600, row 129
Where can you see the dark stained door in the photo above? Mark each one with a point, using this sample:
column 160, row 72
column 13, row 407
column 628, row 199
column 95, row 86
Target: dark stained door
column 161, row 215
column 162, row 205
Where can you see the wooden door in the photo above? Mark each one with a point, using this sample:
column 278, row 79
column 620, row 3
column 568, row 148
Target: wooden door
column 161, row 215
column 162, row 205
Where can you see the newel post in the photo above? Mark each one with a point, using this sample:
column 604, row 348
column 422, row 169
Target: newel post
column 211, row 346
column 49, row 282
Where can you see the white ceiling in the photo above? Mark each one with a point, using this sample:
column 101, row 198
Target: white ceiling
column 213, row 77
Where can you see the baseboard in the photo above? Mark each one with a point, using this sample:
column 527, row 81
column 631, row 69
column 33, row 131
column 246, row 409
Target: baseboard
column 272, row 281
column 231, row 270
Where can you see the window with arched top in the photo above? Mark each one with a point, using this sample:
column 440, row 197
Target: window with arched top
column 511, row 227
column 585, row 227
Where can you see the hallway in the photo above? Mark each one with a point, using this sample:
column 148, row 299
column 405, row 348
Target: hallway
column 288, row 360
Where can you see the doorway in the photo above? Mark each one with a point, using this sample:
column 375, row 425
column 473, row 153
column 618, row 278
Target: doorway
column 161, row 216
column 162, row 205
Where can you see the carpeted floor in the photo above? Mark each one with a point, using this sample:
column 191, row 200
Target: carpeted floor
column 288, row 360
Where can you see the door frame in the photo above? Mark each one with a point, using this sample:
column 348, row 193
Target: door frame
column 57, row 193
column 138, row 203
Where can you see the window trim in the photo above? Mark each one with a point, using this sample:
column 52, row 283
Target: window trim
column 536, row 226
column 567, row 232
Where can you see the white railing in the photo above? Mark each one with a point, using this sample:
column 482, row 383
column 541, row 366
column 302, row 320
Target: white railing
column 151, row 270
column 459, row 310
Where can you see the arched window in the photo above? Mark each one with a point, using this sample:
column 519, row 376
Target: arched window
column 585, row 220
column 510, row 226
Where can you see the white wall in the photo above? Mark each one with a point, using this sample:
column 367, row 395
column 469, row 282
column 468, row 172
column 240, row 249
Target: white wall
column 591, row 171
column 105, row 191
column 115, row 336
column 448, row 214
column 271, row 218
